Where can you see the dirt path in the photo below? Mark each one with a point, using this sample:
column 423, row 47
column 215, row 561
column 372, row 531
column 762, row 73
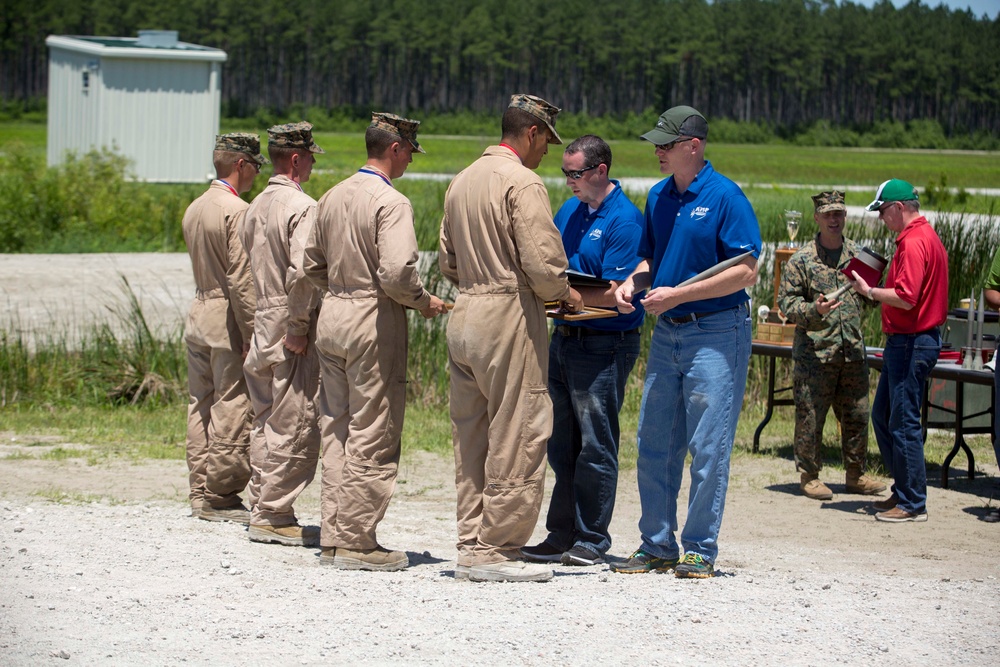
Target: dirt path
column 116, row 573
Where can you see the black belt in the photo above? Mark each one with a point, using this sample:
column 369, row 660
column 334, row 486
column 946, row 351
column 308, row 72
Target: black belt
column 584, row 332
column 694, row 317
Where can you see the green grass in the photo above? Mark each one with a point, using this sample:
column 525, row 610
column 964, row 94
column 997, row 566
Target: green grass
column 766, row 164
column 103, row 433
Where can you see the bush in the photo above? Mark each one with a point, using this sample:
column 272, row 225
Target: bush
column 86, row 204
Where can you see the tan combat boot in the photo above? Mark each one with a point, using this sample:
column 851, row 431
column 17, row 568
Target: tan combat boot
column 861, row 484
column 811, row 487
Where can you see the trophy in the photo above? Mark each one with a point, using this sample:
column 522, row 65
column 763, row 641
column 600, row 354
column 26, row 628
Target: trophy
column 792, row 219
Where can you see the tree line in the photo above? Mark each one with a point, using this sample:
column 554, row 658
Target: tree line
column 784, row 63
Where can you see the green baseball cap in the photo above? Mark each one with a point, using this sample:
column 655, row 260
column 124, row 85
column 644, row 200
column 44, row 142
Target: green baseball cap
column 893, row 190
column 675, row 123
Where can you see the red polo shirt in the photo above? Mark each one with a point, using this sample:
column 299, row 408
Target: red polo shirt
column 919, row 275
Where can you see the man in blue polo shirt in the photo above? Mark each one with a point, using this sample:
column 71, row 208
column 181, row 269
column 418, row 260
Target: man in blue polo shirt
column 590, row 361
column 698, row 359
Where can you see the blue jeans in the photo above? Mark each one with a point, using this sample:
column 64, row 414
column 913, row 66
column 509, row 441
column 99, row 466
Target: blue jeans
column 695, row 380
column 906, row 362
column 587, row 384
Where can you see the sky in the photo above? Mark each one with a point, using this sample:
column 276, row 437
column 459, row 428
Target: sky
column 979, row 7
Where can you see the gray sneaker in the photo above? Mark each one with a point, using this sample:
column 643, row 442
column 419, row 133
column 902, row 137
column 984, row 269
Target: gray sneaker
column 236, row 514
column 292, row 535
column 510, row 570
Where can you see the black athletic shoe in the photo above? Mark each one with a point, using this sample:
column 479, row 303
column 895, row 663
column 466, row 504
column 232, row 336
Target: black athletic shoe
column 581, row 555
column 542, row 553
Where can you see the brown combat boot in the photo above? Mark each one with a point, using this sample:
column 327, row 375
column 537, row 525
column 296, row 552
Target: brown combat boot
column 811, row 487
column 861, row 484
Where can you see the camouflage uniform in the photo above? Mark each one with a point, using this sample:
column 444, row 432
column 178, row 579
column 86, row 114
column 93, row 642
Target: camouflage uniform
column 829, row 355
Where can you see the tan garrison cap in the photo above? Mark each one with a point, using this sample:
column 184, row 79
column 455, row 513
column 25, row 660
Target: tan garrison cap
column 540, row 109
column 404, row 128
column 293, row 135
column 829, row 201
column 241, row 142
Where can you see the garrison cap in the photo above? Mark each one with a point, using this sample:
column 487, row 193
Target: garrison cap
column 829, row 201
column 404, row 128
column 241, row 142
column 293, row 135
column 893, row 190
column 677, row 122
column 540, row 109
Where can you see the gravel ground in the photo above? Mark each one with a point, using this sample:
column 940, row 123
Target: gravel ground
column 100, row 564
column 108, row 568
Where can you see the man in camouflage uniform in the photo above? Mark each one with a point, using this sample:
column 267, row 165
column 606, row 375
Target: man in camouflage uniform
column 217, row 334
column 829, row 352
column 282, row 369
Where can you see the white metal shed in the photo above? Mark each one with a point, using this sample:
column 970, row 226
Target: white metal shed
column 153, row 99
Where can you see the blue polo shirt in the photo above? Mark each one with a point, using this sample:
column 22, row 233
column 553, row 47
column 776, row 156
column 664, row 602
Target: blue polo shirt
column 603, row 243
column 684, row 234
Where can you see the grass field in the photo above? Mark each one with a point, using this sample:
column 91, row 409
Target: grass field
column 37, row 392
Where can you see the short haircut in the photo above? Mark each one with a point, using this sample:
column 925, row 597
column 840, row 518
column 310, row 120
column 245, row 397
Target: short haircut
column 595, row 150
column 281, row 156
column 224, row 161
column 911, row 205
column 378, row 141
column 518, row 121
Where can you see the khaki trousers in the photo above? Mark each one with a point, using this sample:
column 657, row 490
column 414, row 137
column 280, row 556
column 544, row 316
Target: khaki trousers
column 362, row 346
column 501, row 420
column 219, row 413
column 285, row 441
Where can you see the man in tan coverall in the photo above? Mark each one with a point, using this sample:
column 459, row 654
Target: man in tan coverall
column 499, row 245
column 282, row 369
column 217, row 334
column 363, row 251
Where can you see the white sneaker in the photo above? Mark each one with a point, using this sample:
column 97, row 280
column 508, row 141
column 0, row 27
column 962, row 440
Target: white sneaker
column 510, row 570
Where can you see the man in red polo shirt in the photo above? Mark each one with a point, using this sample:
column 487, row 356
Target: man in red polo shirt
column 914, row 306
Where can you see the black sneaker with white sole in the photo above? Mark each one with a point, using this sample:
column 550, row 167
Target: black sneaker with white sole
column 581, row 555
column 542, row 553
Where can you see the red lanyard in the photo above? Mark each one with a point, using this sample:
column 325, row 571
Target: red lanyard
column 512, row 150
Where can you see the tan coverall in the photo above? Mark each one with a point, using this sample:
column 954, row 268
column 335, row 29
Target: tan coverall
column 363, row 250
column 284, row 386
column 220, row 319
column 499, row 244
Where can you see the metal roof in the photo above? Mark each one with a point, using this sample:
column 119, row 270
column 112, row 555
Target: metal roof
column 152, row 44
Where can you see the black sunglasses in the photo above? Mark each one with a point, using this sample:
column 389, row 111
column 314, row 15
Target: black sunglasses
column 577, row 174
column 667, row 147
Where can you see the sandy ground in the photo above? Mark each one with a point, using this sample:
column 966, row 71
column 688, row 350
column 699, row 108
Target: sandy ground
column 100, row 564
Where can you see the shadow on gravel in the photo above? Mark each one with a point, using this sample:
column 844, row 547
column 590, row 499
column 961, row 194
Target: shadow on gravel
column 424, row 558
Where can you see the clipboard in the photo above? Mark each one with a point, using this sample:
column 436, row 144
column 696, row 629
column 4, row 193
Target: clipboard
column 580, row 279
column 588, row 313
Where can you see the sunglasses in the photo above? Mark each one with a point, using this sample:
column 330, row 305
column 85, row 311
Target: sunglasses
column 253, row 164
column 577, row 174
column 667, row 147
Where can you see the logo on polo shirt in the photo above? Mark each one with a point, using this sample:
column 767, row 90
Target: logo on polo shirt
column 595, row 235
column 699, row 213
